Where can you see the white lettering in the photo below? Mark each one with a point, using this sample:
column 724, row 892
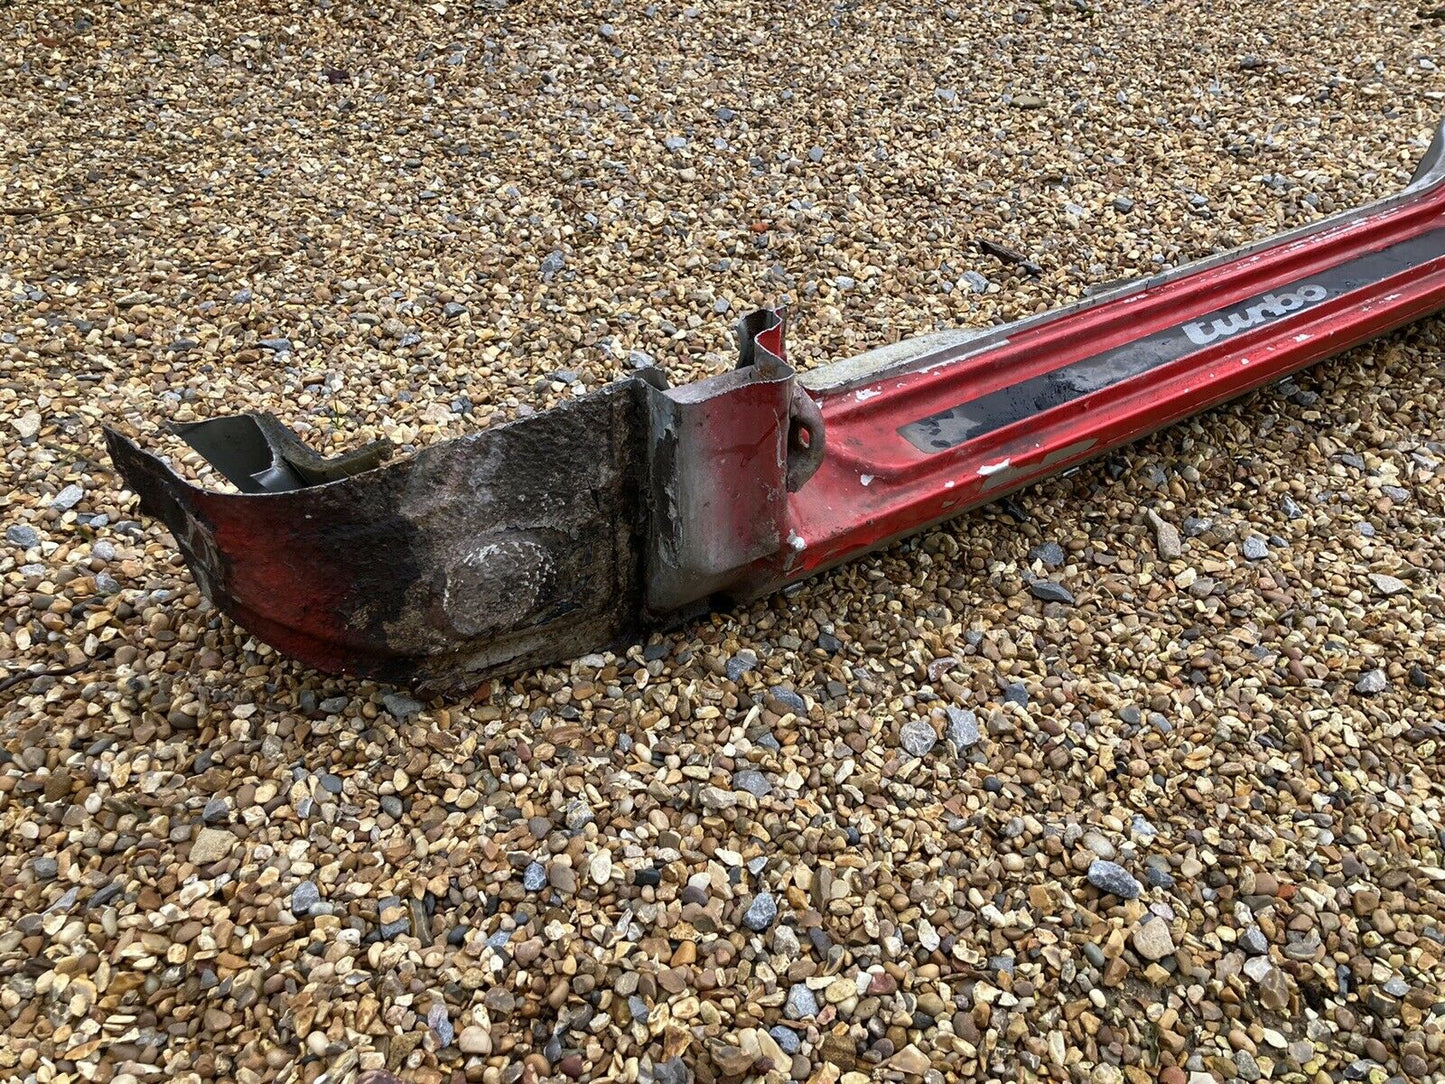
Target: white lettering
column 1269, row 307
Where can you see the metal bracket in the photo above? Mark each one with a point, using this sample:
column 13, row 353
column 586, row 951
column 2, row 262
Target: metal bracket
column 762, row 343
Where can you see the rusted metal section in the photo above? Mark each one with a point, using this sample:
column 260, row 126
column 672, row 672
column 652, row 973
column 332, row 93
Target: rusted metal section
column 486, row 553
column 552, row 535
column 639, row 505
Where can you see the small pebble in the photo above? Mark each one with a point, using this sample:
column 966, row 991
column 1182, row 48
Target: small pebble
column 1372, row 682
column 801, row 1004
column 917, row 737
column 761, row 913
column 962, row 732
column 1111, row 877
column 1049, row 591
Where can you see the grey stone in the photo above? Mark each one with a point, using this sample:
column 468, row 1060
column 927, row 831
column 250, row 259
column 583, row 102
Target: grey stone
column 674, row 143
column 1166, row 537
column 22, row 535
column 1050, row 555
column 1194, row 526
column 401, row 707
column 786, row 1038
column 740, row 664
column 67, row 498
column 917, row 737
column 1049, row 591
column 1372, row 683
column 452, row 309
column 790, row 700
column 962, row 732
column 579, row 814
column 552, row 264
column 752, row 781
column 1257, row 967
column 975, row 282
column 277, row 346
column 66, row 901
column 304, row 897
column 1156, row 873
column 105, row 895
column 1303, row 948
column 1111, row 877
column 1253, row 941
column 761, row 913
column 534, row 877
column 46, row 868
column 801, row 1004
column 1255, row 548
column 1388, row 585
column 815, row 154
column 1123, row 204
column 441, row 1025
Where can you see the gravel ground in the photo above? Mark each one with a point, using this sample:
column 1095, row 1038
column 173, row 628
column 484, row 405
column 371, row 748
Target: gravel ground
column 912, row 822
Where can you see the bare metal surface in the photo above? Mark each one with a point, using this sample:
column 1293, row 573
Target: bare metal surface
column 724, row 457
column 258, row 454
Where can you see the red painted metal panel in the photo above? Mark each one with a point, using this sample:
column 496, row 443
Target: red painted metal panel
column 876, row 485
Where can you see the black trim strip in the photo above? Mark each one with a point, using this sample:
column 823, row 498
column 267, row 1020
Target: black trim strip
column 980, row 416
